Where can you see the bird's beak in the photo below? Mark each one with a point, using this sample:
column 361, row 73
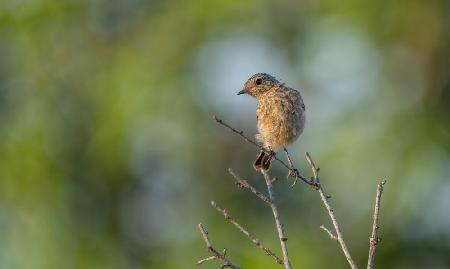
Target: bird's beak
column 242, row 92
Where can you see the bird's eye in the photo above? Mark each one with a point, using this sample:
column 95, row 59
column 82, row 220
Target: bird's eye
column 258, row 81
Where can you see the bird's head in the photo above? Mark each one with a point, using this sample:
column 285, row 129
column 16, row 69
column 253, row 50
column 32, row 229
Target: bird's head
column 258, row 84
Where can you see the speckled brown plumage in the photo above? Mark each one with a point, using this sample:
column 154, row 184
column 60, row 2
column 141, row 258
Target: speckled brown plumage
column 280, row 114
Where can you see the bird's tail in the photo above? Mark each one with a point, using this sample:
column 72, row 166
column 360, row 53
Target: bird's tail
column 263, row 161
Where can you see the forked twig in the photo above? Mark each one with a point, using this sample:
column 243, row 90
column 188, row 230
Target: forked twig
column 244, row 184
column 332, row 236
column 271, row 202
column 216, row 255
column 326, row 202
column 291, row 168
column 246, row 233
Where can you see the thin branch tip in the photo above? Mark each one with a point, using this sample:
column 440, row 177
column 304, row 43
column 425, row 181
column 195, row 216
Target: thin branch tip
column 374, row 238
column 242, row 183
column 332, row 236
column 216, row 255
column 253, row 239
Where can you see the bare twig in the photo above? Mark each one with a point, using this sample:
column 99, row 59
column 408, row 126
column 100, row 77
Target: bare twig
column 279, row 226
column 246, row 233
column 374, row 239
column 251, row 141
column 324, row 197
column 291, row 168
column 206, row 259
column 215, row 254
column 244, row 184
column 270, row 201
column 332, row 236
column 241, row 133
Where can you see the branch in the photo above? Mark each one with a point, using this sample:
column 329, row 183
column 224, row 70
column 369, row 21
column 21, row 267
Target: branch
column 332, row 236
column 374, row 239
column 291, row 168
column 216, row 255
column 292, row 171
column 271, row 202
column 246, row 233
column 279, row 226
column 324, row 197
column 244, row 184
column 200, row 262
column 315, row 184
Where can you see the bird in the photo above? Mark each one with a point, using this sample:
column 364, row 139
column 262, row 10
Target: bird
column 280, row 115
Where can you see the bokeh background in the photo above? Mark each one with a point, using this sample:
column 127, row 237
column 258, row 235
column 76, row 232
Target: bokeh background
column 109, row 156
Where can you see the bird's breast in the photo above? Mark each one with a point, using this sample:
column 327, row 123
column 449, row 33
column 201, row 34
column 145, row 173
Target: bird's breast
column 280, row 120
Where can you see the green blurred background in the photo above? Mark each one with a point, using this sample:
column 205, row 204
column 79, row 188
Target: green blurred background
column 109, row 154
